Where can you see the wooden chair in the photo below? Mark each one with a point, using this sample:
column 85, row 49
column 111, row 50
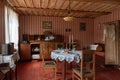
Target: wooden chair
column 87, row 66
column 4, row 68
column 47, row 64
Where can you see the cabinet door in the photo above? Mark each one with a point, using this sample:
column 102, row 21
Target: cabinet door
column 25, row 52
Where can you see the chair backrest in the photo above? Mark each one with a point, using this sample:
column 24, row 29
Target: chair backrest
column 42, row 53
column 59, row 46
column 87, row 63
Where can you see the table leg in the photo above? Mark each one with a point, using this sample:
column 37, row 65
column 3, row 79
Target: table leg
column 64, row 70
column 16, row 72
column 10, row 74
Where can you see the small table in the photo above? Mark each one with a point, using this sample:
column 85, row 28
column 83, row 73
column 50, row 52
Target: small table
column 69, row 57
column 12, row 60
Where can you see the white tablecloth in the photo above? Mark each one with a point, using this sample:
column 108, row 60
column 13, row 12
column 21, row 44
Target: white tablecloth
column 10, row 59
column 69, row 57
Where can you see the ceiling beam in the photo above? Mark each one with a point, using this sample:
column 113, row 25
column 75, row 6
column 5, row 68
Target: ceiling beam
column 100, row 1
column 56, row 10
column 96, row 0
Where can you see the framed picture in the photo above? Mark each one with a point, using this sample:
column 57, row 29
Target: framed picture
column 47, row 25
column 82, row 26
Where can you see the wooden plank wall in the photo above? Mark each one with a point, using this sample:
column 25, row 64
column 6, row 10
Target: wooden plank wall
column 2, row 25
column 33, row 25
column 98, row 24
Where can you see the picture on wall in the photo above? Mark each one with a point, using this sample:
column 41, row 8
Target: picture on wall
column 82, row 26
column 47, row 25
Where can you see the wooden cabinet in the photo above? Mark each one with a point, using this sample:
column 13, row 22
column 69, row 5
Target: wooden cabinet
column 33, row 50
column 25, row 53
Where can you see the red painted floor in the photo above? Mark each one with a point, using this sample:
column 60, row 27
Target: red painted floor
column 33, row 71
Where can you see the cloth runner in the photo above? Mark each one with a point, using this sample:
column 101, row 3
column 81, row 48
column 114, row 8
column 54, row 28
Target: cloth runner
column 11, row 59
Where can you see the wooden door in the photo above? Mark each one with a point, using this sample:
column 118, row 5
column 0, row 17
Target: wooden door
column 118, row 41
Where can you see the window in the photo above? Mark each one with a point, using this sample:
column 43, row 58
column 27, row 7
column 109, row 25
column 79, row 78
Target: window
column 11, row 27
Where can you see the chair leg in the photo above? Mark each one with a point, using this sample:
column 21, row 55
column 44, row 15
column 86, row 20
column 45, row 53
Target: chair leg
column 86, row 78
column 94, row 77
column 42, row 73
column 55, row 73
column 72, row 75
column 10, row 74
column 16, row 72
column 82, row 78
column 5, row 77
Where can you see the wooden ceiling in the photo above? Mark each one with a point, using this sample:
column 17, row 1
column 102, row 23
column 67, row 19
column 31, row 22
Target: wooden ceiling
column 59, row 8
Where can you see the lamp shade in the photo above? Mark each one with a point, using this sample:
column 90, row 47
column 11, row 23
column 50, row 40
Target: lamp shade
column 68, row 18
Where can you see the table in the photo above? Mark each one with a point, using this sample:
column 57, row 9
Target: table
column 69, row 57
column 12, row 60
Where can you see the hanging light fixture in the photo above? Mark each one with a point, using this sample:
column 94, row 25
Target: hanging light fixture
column 69, row 17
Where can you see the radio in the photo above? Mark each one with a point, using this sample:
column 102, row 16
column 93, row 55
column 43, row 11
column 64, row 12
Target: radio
column 7, row 49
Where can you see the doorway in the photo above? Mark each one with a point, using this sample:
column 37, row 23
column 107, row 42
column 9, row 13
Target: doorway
column 111, row 43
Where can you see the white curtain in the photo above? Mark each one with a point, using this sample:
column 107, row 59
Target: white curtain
column 11, row 26
column 110, row 47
